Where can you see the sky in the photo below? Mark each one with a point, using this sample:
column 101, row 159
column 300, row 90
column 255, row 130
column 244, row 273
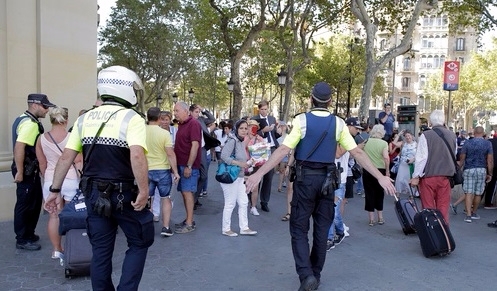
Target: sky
column 105, row 9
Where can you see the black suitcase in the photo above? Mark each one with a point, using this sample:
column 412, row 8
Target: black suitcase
column 77, row 253
column 405, row 210
column 434, row 234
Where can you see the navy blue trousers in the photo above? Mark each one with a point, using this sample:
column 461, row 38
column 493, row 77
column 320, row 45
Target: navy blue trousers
column 27, row 209
column 307, row 201
column 139, row 230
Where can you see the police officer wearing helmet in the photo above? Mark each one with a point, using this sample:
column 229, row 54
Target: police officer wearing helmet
column 315, row 136
column 112, row 138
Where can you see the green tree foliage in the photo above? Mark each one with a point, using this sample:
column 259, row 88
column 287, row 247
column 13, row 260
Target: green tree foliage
column 230, row 28
column 391, row 17
column 300, row 21
column 477, row 88
column 147, row 37
column 342, row 60
column 471, row 13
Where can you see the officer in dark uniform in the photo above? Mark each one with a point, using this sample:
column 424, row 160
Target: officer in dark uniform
column 26, row 172
column 112, row 138
column 314, row 137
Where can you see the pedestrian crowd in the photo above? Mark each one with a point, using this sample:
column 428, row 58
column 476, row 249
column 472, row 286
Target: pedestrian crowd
column 126, row 166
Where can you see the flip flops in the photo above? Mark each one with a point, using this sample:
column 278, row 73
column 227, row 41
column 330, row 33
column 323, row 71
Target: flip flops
column 286, row 217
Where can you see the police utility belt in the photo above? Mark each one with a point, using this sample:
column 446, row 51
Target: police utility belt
column 103, row 205
column 332, row 181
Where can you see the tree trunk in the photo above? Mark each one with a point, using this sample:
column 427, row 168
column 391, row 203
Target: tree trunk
column 374, row 64
column 237, row 88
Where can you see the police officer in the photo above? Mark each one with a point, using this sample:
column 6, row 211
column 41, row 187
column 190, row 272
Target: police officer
column 315, row 136
column 112, row 138
column 25, row 170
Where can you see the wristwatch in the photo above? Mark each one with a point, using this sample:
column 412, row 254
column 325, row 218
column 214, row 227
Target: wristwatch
column 189, row 167
column 53, row 190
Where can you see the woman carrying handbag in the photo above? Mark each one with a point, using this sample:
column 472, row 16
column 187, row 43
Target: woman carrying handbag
column 234, row 193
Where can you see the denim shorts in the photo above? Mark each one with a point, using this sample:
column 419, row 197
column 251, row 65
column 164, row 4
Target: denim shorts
column 188, row 184
column 160, row 179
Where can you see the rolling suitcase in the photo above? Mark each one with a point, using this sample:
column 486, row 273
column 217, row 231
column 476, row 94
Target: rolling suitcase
column 434, row 234
column 77, row 253
column 406, row 210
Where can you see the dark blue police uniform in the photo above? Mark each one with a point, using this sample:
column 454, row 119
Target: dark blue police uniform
column 107, row 169
column 312, row 166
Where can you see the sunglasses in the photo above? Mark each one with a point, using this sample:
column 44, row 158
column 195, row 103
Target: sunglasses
column 44, row 106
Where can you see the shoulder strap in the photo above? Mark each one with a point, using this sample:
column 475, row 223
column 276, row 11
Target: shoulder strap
column 447, row 144
column 98, row 134
column 57, row 145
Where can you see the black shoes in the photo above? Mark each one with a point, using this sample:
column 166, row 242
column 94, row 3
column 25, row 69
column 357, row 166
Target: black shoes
column 264, row 207
column 309, row 283
column 34, row 238
column 29, row 246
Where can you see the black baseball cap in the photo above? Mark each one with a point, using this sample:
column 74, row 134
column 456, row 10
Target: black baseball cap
column 40, row 99
column 352, row 121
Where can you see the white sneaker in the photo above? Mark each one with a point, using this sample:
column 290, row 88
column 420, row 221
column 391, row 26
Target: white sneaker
column 248, row 231
column 346, row 230
column 254, row 211
column 230, row 233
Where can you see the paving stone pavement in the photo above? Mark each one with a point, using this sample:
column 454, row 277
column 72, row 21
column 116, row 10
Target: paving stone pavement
column 372, row 258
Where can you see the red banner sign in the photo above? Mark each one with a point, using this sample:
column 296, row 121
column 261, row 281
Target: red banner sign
column 451, row 75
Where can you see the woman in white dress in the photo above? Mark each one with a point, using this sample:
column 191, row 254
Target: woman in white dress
column 407, row 154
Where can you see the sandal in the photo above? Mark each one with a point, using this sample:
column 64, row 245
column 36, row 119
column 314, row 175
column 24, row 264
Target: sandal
column 381, row 221
column 371, row 223
column 286, row 217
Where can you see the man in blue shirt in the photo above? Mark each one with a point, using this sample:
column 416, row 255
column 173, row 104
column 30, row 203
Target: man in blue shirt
column 387, row 119
column 478, row 160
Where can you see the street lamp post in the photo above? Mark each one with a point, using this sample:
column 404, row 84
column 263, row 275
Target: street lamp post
column 159, row 100
column 281, row 81
column 231, row 86
column 191, row 93
column 175, row 97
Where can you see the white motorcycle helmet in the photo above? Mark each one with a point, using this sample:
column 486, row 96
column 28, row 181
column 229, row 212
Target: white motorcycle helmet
column 119, row 84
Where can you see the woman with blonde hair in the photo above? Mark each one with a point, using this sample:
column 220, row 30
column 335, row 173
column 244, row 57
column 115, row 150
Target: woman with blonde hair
column 49, row 147
column 377, row 150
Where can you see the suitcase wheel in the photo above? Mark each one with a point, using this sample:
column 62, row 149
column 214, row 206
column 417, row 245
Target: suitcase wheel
column 68, row 273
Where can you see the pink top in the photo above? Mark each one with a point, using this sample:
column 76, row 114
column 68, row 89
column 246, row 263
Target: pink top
column 52, row 153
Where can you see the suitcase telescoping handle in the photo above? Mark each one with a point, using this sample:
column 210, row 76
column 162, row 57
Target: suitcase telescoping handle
column 414, row 198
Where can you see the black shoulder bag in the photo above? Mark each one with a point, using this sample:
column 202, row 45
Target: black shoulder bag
column 457, row 178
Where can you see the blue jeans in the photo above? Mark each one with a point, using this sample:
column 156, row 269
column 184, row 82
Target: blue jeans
column 188, row 184
column 360, row 185
column 160, row 179
column 337, row 224
column 138, row 227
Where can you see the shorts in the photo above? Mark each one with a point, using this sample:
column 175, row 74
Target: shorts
column 68, row 189
column 474, row 181
column 188, row 184
column 160, row 179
